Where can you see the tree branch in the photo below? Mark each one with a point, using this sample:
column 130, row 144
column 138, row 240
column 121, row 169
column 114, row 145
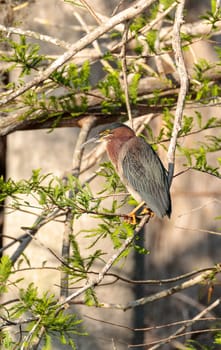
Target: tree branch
column 35, row 35
column 123, row 56
column 127, row 14
column 182, row 71
column 107, row 266
column 87, row 124
column 188, row 324
column 165, row 293
column 201, row 278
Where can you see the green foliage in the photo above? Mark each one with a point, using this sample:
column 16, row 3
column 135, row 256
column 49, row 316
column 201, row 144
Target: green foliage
column 201, row 67
column 203, row 89
column 217, row 339
column 5, row 271
column 73, row 77
column 218, row 51
column 168, row 121
column 187, row 125
column 141, row 250
column 213, row 15
column 112, row 90
column 50, row 195
column 76, row 80
column 25, row 55
column 6, row 340
column 138, row 23
column 197, row 157
column 78, row 267
column 197, row 345
column 133, row 88
column 45, row 314
column 164, row 102
column 166, row 3
column 112, row 180
column 151, row 38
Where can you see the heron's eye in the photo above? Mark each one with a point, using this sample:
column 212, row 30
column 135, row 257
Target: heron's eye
column 105, row 133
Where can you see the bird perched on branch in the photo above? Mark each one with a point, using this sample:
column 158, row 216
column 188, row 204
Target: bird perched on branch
column 139, row 168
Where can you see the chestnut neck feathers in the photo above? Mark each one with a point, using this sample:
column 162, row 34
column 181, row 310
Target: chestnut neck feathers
column 116, row 140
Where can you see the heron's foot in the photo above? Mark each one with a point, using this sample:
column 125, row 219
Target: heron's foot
column 131, row 218
column 147, row 211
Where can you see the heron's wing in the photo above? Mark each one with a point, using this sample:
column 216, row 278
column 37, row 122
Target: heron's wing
column 145, row 173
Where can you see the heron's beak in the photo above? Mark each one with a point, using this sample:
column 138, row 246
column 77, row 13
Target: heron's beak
column 91, row 140
column 97, row 139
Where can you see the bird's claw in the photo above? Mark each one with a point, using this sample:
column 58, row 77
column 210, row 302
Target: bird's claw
column 148, row 211
column 131, row 218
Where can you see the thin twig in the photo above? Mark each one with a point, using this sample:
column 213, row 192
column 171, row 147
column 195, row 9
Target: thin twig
column 158, row 58
column 188, row 324
column 199, row 229
column 201, row 278
column 162, row 281
column 182, row 71
column 35, row 35
column 198, row 331
column 27, row 339
column 146, row 28
column 91, row 11
column 95, row 42
column 65, row 252
column 187, row 284
column 146, row 329
column 123, row 56
column 30, row 233
column 117, row 7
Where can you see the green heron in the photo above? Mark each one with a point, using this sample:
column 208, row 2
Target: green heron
column 138, row 166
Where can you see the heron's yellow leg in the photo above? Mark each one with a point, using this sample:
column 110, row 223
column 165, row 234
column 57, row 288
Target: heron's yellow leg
column 137, row 208
column 131, row 217
column 147, row 211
